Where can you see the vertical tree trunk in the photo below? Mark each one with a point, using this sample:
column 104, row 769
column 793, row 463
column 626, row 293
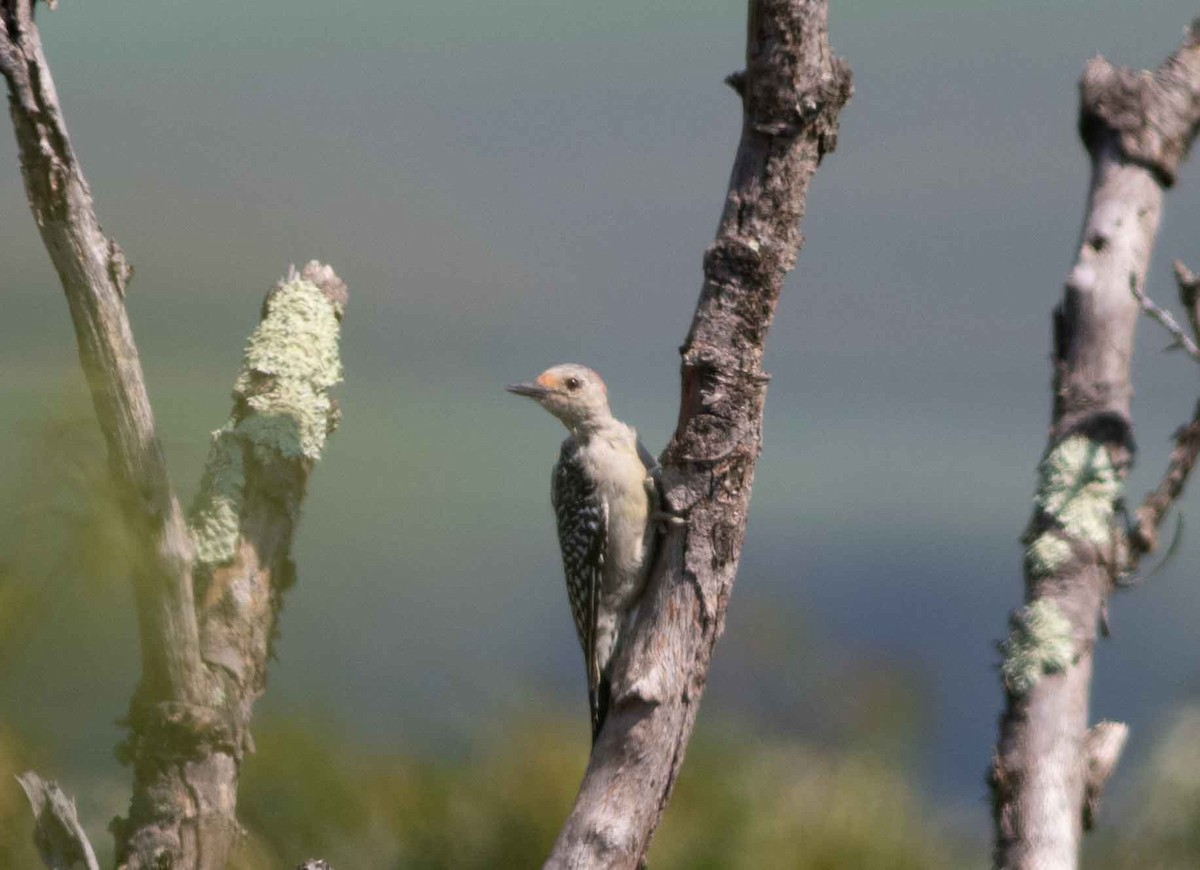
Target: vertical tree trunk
column 793, row 89
column 1136, row 127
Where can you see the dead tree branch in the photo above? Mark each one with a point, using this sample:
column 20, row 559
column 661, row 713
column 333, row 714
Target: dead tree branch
column 1156, row 504
column 207, row 596
column 1167, row 320
column 242, row 524
column 792, row 91
column 94, row 272
column 61, row 841
column 1137, row 128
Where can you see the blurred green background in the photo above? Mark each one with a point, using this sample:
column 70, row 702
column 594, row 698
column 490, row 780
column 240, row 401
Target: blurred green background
column 509, row 185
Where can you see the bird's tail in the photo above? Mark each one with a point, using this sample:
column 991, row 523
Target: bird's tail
column 598, row 701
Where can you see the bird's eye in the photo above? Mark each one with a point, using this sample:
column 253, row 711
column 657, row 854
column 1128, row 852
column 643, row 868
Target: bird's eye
column 572, row 383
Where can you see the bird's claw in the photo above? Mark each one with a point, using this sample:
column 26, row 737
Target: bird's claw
column 667, row 518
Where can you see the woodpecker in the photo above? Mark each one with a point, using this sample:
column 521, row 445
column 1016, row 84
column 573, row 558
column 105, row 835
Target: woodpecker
column 604, row 490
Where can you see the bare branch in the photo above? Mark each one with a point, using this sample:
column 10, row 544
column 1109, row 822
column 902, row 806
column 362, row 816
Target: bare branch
column 1189, row 294
column 1155, row 506
column 94, row 272
column 1137, row 127
column 793, row 89
column 189, row 719
column 60, row 839
column 1168, row 322
column 1153, row 114
column 242, row 524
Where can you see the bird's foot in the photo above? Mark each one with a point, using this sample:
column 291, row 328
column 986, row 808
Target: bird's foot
column 668, row 519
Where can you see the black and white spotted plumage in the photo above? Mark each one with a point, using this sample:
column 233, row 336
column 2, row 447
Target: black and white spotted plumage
column 582, row 519
column 605, row 496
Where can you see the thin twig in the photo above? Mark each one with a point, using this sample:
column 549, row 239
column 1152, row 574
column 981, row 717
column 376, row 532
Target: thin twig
column 1164, row 317
column 1155, row 506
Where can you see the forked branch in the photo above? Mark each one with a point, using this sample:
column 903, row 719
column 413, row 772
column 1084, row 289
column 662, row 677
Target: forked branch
column 207, row 596
column 242, row 523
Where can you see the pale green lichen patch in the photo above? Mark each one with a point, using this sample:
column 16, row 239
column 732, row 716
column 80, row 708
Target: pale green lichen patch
column 285, row 411
column 1047, row 554
column 1078, row 486
column 216, row 513
column 290, row 418
column 296, row 346
column 1039, row 642
column 298, row 337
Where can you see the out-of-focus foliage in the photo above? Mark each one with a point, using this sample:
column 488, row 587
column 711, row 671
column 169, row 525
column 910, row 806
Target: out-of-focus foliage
column 500, row 807
column 842, row 796
column 795, row 806
column 1161, row 830
column 739, row 804
column 65, row 558
column 62, row 531
column 65, row 618
column 16, row 823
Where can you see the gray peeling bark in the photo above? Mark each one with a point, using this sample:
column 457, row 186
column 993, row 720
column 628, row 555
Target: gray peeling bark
column 793, row 89
column 208, row 593
column 1048, row 767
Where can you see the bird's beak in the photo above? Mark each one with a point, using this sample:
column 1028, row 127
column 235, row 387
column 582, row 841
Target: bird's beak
column 533, row 391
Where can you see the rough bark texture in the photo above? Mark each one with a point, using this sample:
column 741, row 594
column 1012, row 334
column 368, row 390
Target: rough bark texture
column 1152, row 114
column 793, row 89
column 61, row 840
column 1136, row 127
column 207, row 594
column 187, row 759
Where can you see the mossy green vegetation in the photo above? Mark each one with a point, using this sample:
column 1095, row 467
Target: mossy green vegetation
column 1039, row 642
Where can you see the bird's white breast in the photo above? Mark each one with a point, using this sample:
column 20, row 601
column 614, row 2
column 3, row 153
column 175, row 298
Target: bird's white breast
column 611, row 459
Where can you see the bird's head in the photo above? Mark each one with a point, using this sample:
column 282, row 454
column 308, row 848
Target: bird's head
column 574, row 394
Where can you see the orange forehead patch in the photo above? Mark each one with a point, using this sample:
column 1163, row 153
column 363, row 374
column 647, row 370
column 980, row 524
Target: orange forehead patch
column 547, row 380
